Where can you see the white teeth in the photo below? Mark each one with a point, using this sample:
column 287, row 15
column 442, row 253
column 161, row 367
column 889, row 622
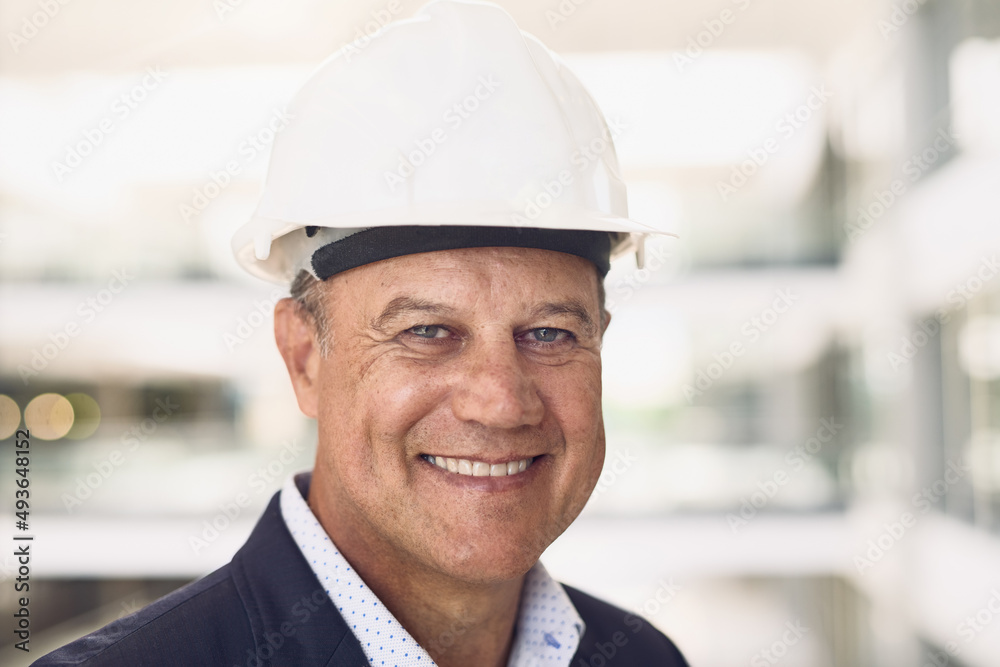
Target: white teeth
column 479, row 468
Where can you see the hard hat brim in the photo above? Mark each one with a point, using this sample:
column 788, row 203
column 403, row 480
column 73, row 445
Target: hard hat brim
column 279, row 255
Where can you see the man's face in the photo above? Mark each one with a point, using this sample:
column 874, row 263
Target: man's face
column 486, row 355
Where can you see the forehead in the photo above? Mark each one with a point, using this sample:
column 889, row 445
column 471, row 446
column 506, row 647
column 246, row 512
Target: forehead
column 496, row 274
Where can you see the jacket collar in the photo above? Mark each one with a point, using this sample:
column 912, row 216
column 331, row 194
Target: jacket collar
column 292, row 617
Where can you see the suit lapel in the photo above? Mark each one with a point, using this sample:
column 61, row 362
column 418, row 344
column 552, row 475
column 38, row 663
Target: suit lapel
column 293, row 619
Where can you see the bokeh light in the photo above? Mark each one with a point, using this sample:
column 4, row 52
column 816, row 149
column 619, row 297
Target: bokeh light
column 49, row 416
column 87, row 416
column 10, row 417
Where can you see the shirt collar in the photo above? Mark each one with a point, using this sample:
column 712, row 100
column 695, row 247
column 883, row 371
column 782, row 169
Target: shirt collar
column 548, row 629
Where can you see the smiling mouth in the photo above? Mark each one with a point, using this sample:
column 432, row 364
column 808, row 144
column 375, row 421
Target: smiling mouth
column 479, row 468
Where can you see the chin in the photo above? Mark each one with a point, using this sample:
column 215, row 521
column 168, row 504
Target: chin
column 490, row 561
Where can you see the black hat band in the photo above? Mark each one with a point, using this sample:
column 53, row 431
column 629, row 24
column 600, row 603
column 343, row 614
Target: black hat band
column 378, row 243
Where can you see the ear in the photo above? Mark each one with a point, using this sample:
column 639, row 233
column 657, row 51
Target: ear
column 296, row 338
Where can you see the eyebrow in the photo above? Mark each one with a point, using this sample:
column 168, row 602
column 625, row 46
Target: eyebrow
column 404, row 305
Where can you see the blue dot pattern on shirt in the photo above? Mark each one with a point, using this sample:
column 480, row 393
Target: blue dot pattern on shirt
column 548, row 627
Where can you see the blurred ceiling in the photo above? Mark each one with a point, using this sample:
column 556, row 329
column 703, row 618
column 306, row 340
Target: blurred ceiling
column 115, row 35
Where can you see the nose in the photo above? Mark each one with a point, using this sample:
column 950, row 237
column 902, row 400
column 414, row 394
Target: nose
column 496, row 388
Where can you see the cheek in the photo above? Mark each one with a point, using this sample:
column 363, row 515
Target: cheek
column 573, row 395
column 379, row 406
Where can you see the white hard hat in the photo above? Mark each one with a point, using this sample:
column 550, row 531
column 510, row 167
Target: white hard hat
column 450, row 129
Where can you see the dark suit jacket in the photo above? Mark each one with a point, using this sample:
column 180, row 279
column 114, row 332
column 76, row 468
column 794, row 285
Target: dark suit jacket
column 266, row 608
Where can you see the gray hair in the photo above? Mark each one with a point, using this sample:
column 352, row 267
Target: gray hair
column 308, row 292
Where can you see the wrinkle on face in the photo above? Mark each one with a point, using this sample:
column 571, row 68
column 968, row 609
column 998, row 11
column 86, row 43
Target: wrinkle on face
column 388, row 396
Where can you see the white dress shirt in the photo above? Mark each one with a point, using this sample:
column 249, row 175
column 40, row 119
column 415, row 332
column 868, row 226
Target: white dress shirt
column 547, row 632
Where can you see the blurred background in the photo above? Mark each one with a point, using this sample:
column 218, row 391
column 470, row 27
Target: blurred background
column 802, row 393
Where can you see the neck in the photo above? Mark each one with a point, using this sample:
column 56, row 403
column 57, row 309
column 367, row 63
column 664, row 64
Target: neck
column 457, row 627
column 458, row 623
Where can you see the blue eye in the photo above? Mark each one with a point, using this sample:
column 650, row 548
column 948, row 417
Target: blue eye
column 548, row 335
column 429, row 331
